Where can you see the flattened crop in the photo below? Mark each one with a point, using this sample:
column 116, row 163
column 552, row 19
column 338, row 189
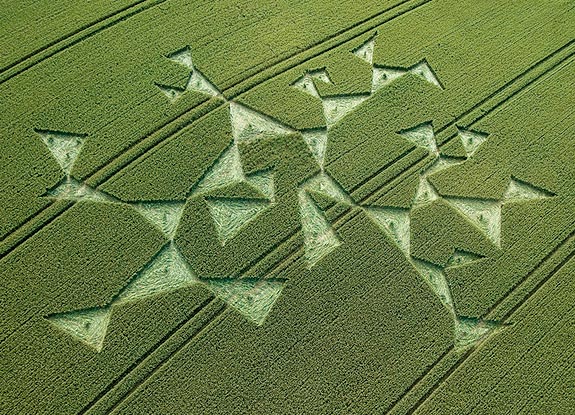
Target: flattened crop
column 287, row 208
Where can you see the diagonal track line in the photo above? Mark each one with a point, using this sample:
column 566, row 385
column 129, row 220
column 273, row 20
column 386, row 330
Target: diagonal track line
column 461, row 359
column 244, row 91
column 153, row 367
column 532, row 292
column 64, row 42
column 146, row 356
column 29, row 229
column 292, row 257
column 492, row 102
column 181, row 121
column 509, row 314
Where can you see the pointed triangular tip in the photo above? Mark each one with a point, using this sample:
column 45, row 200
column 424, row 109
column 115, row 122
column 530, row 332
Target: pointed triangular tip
column 70, row 189
column 337, row 107
column 254, row 298
column 65, row 147
column 422, row 135
column 470, row 331
column 383, row 75
column 182, row 56
column 395, row 222
column 263, row 182
column 521, row 191
column 226, row 170
column 425, row 193
column 316, row 140
column 471, row 139
column 320, row 239
column 305, row 84
column 320, row 74
column 248, row 124
column 198, row 82
column 327, row 186
column 172, row 93
column 163, row 215
column 433, row 274
column 89, row 326
column 365, row 50
column 423, row 70
column 462, row 257
column 230, row 216
column 167, row 271
column 442, row 163
column 483, row 213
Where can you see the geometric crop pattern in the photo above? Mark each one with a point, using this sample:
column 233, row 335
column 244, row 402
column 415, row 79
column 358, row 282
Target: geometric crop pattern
column 254, row 297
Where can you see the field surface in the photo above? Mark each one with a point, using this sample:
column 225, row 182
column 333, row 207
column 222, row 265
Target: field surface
column 290, row 207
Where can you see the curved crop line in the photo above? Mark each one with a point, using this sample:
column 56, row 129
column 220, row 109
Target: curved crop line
column 187, row 116
column 59, row 45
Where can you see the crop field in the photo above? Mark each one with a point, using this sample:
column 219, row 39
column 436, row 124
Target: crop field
column 290, row 207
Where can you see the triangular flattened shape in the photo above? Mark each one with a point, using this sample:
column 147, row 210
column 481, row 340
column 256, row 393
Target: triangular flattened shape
column 395, row 222
column 248, row 124
column 425, row 193
column 324, row 184
column 423, row 70
column 264, row 182
column 319, row 237
column 320, row 75
column 167, row 271
column 88, row 325
column 365, row 51
column 337, row 107
column 468, row 331
column 316, row 140
column 199, row 83
column 64, row 147
column 231, row 215
column 422, row 136
column 461, row 257
column 164, row 215
column 225, row 171
column 171, row 92
column 435, row 277
column 183, row 57
column 471, row 140
column 442, row 163
column 383, row 76
column 305, row 83
column 454, row 148
column 252, row 297
column 71, row 189
column 485, row 214
column 521, row 191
